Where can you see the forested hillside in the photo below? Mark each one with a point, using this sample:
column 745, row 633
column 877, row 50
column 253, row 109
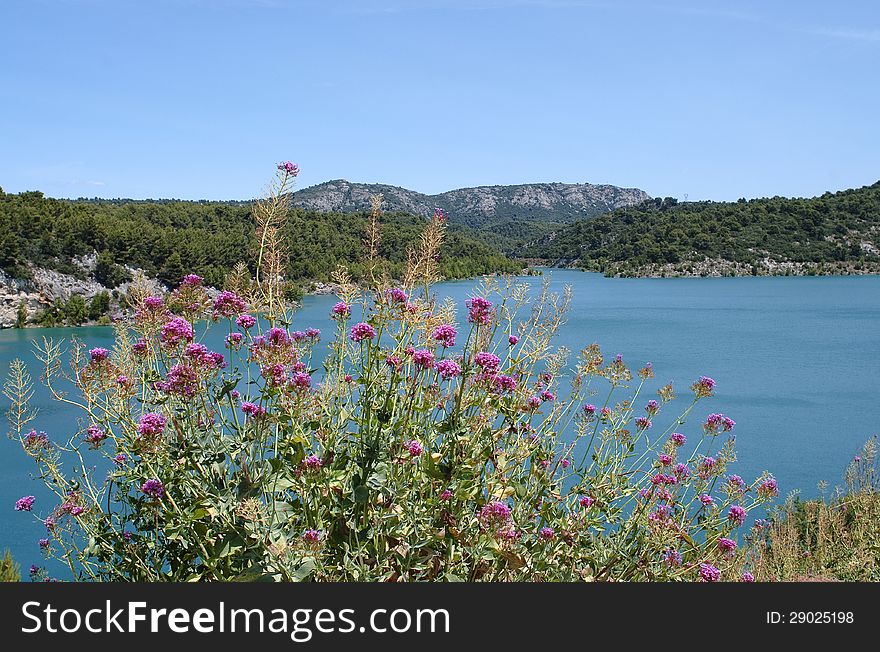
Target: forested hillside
column 836, row 232
column 170, row 238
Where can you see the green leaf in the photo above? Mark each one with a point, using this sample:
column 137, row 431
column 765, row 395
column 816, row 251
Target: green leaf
column 305, row 569
column 361, row 494
column 379, row 477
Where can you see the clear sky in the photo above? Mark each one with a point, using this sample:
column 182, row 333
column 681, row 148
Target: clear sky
column 200, row 98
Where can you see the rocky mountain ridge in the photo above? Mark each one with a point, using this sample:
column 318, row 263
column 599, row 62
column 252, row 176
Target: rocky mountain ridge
column 550, row 202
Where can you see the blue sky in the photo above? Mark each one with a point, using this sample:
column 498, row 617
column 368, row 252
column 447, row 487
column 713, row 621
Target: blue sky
column 200, row 98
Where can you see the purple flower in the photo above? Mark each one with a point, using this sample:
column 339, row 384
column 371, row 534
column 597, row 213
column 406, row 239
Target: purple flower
column 182, row 380
column 192, row 281
column 301, row 380
column 246, row 321
column 24, row 504
column 362, row 331
column 313, row 463
column 488, row 362
column 298, row 336
column 495, row 516
column 664, row 459
column 423, row 358
column 311, row 536
column 726, row 546
column 703, row 387
column 707, row 467
column 447, row 369
column 512, row 340
column 446, row 494
column 140, row 347
column 479, row 311
column 445, row 334
column 34, row 441
column 586, row 501
column 252, row 409
column 313, row 334
column 94, row 435
column 747, row 577
column 98, row 354
column 177, row 330
column 681, row 470
column 678, row 439
column 151, row 424
column 708, row 573
column 397, row 295
column 736, row 515
column 672, row 557
column 533, row 403
column 707, row 500
column 277, row 337
column 120, row 458
column 228, row 304
column 153, row 488
column 589, row 409
column 288, row 168
column 414, row 447
column 502, row 383
column 341, row 309
column 547, row 533
column 234, row 340
column 43, row 543
column 716, row 423
column 768, row 488
column 643, row 423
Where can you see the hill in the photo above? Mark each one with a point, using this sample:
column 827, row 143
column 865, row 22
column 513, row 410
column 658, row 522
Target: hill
column 836, row 233
column 95, row 244
column 504, row 214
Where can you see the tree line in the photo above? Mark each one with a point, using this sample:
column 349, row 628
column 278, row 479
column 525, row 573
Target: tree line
column 168, row 239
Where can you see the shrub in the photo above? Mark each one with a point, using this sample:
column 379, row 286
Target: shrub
column 430, row 446
column 9, row 569
column 829, row 538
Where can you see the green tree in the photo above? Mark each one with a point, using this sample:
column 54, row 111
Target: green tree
column 99, row 306
column 21, row 314
column 108, row 273
column 75, row 310
column 172, row 269
column 9, row 569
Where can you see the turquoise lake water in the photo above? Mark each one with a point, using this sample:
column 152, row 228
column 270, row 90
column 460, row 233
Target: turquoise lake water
column 796, row 360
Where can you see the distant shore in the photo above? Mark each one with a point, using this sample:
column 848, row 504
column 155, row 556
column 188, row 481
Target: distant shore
column 719, row 268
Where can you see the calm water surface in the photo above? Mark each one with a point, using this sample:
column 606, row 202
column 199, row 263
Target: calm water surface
column 795, row 358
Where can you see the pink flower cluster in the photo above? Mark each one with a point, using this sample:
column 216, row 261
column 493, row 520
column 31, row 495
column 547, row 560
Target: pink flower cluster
column 445, row 334
column 479, row 311
column 362, row 331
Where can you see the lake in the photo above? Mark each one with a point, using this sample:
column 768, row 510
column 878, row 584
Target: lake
column 796, row 361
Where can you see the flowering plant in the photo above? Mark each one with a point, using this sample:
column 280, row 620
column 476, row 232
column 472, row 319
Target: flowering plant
column 428, row 446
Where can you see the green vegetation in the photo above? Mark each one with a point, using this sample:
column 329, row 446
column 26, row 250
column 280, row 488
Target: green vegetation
column 76, row 311
column 832, row 538
column 9, row 569
column 837, row 230
column 170, row 238
column 21, row 314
